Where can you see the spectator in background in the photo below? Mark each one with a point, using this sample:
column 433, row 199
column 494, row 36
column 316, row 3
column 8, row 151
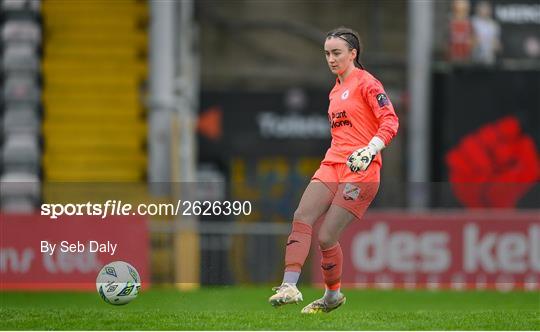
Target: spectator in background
column 460, row 32
column 532, row 47
column 487, row 34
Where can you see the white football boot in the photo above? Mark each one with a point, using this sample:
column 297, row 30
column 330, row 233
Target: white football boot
column 285, row 294
column 320, row 305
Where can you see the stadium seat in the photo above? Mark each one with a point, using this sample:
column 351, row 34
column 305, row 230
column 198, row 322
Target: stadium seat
column 19, row 5
column 20, row 57
column 21, row 88
column 21, row 153
column 21, row 31
column 17, row 205
column 19, row 192
column 19, row 120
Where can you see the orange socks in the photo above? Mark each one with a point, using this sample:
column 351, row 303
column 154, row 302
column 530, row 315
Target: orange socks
column 331, row 266
column 298, row 245
column 297, row 250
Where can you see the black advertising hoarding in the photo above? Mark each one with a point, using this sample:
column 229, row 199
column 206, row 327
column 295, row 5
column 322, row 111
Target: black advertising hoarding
column 520, row 28
column 486, row 122
column 266, row 144
column 292, row 122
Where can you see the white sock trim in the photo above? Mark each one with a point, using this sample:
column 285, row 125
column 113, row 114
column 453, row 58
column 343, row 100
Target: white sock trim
column 331, row 296
column 290, row 277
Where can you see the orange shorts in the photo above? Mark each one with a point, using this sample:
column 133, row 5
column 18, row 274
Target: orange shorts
column 352, row 191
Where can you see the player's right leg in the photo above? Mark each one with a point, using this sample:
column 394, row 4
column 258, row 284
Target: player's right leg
column 336, row 220
column 315, row 201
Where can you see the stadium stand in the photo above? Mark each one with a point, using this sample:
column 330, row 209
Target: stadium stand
column 20, row 28
column 94, row 127
column 93, row 67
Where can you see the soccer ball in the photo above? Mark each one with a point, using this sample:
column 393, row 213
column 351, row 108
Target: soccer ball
column 118, row 283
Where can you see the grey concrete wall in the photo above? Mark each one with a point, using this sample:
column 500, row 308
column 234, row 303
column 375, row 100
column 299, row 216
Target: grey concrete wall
column 274, row 44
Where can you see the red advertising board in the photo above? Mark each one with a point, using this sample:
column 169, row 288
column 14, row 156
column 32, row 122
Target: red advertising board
column 441, row 250
column 82, row 245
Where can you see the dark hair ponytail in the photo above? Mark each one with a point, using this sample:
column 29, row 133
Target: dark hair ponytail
column 352, row 39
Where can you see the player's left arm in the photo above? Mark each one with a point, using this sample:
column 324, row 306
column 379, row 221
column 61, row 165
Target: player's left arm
column 383, row 110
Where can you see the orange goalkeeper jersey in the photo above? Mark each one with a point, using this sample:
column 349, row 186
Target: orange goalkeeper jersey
column 359, row 109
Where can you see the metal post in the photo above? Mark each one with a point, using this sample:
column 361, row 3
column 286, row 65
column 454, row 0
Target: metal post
column 161, row 101
column 184, row 158
column 419, row 64
column 187, row 89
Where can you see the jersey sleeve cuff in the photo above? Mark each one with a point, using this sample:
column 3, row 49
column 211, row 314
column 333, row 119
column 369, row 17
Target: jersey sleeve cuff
column 377, row 144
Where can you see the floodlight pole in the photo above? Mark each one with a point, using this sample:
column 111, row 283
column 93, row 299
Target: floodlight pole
column 161, row 96
column 419, row 77
column 173, row 102
column 184, row 145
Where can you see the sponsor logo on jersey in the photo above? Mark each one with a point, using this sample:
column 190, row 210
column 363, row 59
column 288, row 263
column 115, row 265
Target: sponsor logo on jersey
column 382, row 100
column 335, row 123
column 351, row 192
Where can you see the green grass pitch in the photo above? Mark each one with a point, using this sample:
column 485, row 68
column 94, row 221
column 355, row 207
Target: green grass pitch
column 246, row 308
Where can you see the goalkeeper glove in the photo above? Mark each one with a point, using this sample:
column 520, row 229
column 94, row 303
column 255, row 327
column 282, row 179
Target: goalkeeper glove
column 360, row 159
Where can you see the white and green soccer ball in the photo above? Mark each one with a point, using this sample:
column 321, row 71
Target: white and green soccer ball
column 118, row 283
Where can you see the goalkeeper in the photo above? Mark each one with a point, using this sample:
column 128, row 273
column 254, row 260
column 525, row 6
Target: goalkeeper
column 362, row 122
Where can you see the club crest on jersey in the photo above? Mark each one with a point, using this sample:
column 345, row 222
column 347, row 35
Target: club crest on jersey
column 351, row 192
column 345, row 94
column 382, row 100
